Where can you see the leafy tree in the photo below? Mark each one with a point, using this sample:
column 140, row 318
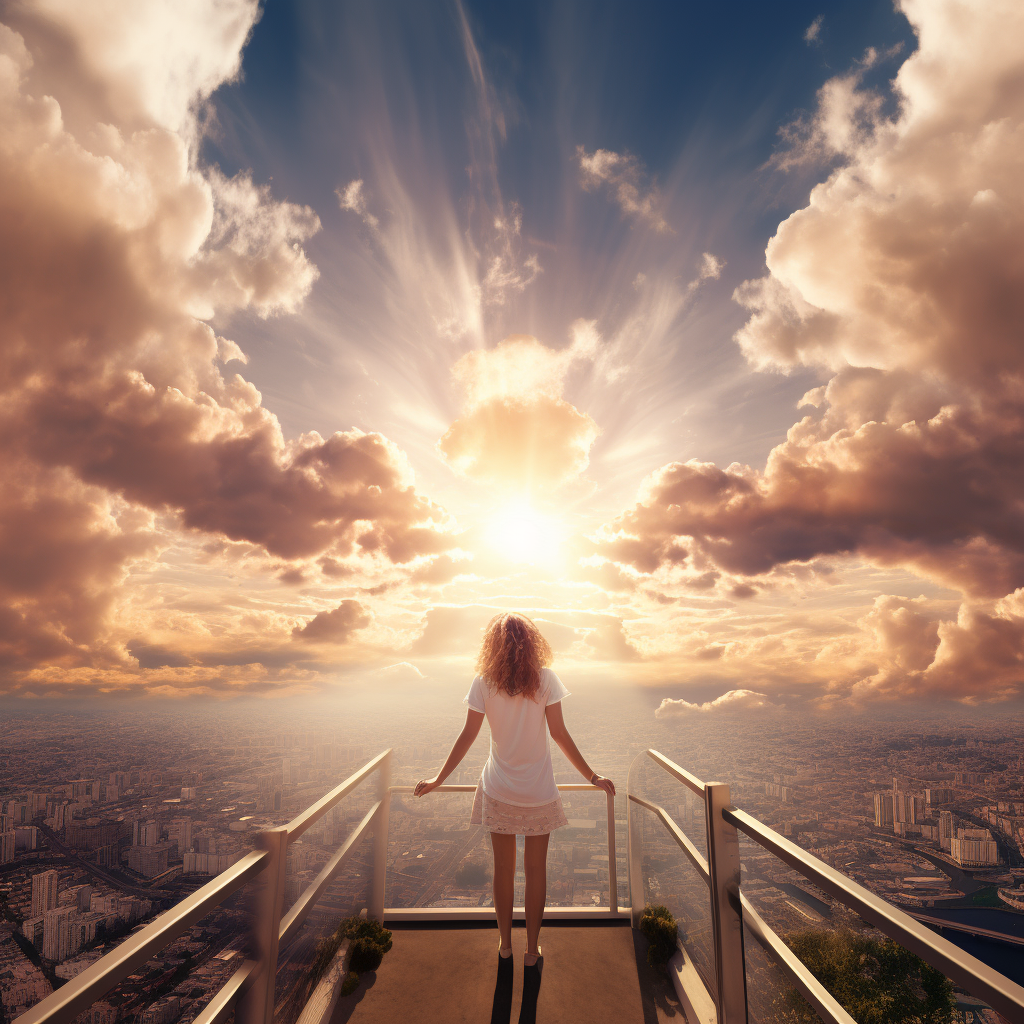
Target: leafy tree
column 876, row 981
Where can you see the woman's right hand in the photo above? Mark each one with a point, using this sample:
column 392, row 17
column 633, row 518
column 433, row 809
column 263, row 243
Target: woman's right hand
column 606, row 784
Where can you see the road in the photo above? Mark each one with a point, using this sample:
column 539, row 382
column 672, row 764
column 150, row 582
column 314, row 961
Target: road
column 443, row 868
column 102, row 874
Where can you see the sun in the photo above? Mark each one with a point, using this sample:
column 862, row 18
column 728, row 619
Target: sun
column 522, row 534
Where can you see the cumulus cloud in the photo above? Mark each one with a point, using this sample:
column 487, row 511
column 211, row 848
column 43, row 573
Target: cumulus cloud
column 904, row 277
column 734, row 700
column 119, row 245
column 624, row 177
column 517, row 430
column 977, row 657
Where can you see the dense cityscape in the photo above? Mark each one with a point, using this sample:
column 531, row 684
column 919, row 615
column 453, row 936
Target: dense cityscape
column 110, row 818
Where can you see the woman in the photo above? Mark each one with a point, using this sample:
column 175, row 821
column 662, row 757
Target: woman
column 516, row 795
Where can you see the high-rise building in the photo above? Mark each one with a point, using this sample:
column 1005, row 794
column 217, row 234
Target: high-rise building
column 268, row 793
column 36, row 805
column 947, row 829
column 883, row 808
column 8, row 844
column 44, row 892
column 974, row 847
column 934, row 797
column 145, row 833
column 149, row 861
column 907, row 807
column 58, row 933
column 61, row 815
column 179, row 830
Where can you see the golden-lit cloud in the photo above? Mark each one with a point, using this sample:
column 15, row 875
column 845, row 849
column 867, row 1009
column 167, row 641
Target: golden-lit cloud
column 119, row 245
column 336, row 625
column 517, row 430
column 904, row 276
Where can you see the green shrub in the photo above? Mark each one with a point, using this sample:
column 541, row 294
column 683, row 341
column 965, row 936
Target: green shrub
column 350, row 984
column 370, row 941
column 659, row 927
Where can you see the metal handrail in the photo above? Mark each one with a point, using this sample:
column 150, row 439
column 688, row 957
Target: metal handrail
column 970, row 973
column 312, row 814
column 566, row 787
column 967, row 971
column 688, row 780
column 681, row 838
column 99, row 978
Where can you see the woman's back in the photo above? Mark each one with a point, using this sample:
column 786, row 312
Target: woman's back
column 518, row 770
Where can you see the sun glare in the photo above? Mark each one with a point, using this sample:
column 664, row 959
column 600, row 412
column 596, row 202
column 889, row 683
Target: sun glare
column 522, row 534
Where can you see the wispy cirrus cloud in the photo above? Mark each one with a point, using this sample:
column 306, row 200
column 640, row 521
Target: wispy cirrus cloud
column 624, row 177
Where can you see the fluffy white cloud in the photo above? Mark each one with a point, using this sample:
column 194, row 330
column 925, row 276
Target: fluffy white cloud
column 734, row 700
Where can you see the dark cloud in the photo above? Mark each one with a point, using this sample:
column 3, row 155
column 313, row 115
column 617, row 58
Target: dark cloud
column 337, row 625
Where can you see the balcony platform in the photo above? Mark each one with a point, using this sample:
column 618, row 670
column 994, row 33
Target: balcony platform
column 593, row 973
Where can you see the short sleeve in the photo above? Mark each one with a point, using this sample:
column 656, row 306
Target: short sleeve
column 556, row 689
column 476, row 696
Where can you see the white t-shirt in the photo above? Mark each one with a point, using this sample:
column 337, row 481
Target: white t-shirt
column 518, row 770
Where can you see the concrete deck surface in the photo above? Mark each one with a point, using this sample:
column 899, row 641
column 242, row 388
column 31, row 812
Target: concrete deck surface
column 591, row 974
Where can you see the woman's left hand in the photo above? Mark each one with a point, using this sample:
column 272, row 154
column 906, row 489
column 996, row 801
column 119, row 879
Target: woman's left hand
column 424, row 786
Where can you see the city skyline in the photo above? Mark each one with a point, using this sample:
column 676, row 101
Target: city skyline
column 119, row 813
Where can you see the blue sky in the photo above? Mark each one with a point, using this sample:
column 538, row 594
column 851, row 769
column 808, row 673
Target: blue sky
column 334, row 92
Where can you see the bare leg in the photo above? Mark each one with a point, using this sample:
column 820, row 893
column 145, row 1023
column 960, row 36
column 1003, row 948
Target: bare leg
column 536, row 863
column 504, row 848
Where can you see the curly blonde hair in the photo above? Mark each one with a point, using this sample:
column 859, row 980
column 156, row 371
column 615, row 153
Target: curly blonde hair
column 512, row 654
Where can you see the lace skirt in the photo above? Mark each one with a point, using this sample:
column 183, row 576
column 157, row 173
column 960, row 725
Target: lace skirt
column 511, row 819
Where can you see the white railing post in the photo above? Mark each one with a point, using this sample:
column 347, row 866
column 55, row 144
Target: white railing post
column 256, row 1006
column 726, row 911
column 634, row 846
column 613, row 881
column 380, row 841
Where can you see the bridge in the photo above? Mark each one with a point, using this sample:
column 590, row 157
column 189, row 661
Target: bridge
column 968, row 929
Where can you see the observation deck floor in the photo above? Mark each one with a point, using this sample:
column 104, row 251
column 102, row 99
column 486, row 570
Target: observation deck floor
column 592, row 973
